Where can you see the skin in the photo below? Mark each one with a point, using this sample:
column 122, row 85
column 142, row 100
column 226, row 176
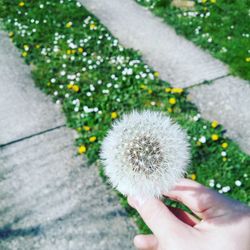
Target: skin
column 224, row 223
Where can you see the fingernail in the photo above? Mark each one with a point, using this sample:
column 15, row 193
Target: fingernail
column 133, row 202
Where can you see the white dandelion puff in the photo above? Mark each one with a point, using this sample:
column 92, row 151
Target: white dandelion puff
column 145, row 154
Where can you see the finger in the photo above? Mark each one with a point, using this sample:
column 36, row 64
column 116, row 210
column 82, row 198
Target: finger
column 158, row 217
column 145, row 242
column 184, row 216
column 203, row 201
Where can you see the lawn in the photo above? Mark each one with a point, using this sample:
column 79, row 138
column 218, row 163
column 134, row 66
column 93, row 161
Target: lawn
column 77, row 61
column 221, row 27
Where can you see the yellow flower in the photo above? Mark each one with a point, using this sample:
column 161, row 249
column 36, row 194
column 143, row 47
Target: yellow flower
column 215, row 137
column 68, row 25
column 69, row 86
column 24, row 54
column 73, row 51
column 68, row 51
column 177, row 90
column 86, row 128
column 150, row 91
column 203, row 1
column 224, row 145
column 114, row 115
column 38, row 46
column 11, row 34
column 170, row 110
column 213, row 1
column 172, row 100
column 156, row 74
column 193, row 177
column 214, row 124
column 247, row 59
column 167, row 90
column 92, row 26
column 142, row 86
column 198, row 143
column 80, row 50
column 92, row 138
column 21, row 4
column 75, row 88
column 49, row 83
column 82, row 149
column 224, row 158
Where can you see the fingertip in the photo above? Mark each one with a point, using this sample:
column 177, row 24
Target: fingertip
column 145, row 241
column 138, row 240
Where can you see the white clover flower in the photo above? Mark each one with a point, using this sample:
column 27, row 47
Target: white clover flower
column 238, row 183
column 202, row 139
column 226, row 189
column 145, row 154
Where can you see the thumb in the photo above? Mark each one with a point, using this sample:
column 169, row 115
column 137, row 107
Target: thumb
column 158, row 217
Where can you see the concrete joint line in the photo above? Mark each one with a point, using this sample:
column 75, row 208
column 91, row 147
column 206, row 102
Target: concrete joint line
column 32, row 135
column 207, row 81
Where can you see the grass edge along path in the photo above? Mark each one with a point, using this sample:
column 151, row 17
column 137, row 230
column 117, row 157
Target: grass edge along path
column 219, row 27
column 77, row 61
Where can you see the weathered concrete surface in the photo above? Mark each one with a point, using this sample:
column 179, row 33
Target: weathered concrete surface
column 50, row 199
column 24, row 110
column 178, row 60
column 228, row 101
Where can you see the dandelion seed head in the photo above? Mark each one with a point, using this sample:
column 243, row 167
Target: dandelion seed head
column 145, row 154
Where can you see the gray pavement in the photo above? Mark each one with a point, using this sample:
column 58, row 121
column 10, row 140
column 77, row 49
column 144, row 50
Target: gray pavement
column 181, row 63
column 22, row 110
column 49, row 197
column 227, row 100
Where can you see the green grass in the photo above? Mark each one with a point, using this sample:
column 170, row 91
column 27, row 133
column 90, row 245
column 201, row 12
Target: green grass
column 221, row 27
column 83, row 67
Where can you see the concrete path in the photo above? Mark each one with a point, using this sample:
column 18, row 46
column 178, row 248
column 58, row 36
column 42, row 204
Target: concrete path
column 181, row 63
column 49, row 198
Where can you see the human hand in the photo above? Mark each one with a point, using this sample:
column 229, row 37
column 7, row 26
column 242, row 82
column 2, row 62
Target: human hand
column 224, row 224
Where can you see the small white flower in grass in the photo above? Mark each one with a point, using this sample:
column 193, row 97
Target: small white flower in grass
column 145, row 154
column 238, row 183
column 202, row 139
column 223, row 153
column 226, row 189
column 211, row 183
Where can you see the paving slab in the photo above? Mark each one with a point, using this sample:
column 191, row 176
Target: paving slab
column 50, row 199
column 226, row 100
column 177, row 60
column 24, row 110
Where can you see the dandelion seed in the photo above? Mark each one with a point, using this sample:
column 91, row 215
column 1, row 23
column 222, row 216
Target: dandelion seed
column 145, row 154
